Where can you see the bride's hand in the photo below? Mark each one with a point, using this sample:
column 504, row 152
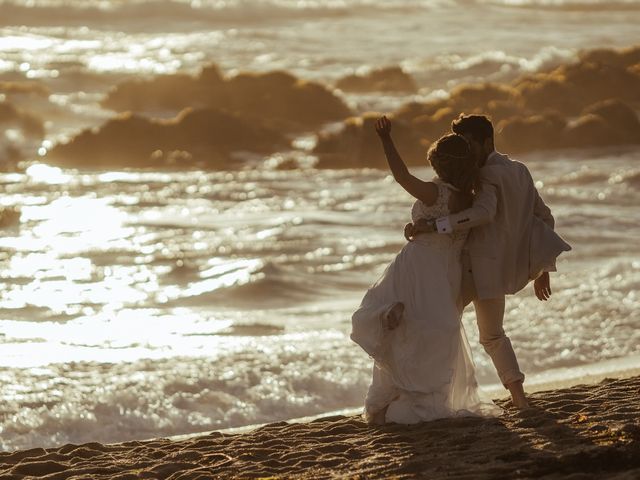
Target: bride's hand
column 409, row 231
column 383, row 127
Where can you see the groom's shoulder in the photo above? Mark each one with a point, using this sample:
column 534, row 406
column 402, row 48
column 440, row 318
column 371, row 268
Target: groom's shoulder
column 496, row 164
column 499, row 158
column 502, row 168
column 504, row 162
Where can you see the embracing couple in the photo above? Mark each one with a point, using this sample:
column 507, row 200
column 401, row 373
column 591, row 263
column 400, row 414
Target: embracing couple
column 479, row 231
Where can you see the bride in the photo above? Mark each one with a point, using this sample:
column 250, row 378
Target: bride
column 410, row 320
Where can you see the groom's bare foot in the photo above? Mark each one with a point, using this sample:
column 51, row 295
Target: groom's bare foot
column 391, row 318
column 520, row 403
column 518, row 398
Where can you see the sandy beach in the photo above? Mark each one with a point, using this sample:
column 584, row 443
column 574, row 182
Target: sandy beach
column 195, row 201
column 585, row 431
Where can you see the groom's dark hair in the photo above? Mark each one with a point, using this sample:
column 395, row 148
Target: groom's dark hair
column 477, row 126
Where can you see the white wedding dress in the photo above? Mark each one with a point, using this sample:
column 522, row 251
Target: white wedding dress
column 423, row 368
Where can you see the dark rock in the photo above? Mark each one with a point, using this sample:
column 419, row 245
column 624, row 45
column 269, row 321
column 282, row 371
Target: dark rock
column 357, row 145
column 522, row 134
column 620, row 117
column 195, row 138
column 278, row 97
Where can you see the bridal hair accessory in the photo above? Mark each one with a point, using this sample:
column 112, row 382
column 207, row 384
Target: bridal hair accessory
column 447, row 155
column 453, row 156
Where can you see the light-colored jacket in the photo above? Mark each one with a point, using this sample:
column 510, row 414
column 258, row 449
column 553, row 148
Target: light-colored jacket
column 512, row 238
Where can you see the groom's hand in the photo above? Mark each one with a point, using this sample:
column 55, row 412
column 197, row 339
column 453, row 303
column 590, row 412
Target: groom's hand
column 542, row 287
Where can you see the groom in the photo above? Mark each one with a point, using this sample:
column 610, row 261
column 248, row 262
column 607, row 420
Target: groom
column 511, row 241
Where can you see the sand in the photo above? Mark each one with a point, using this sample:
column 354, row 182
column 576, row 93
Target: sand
column 582, row 432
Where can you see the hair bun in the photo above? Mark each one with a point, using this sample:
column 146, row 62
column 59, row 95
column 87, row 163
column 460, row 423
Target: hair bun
column 452, row 159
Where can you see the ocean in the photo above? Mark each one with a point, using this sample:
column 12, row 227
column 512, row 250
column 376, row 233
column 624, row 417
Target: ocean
column 141, row 303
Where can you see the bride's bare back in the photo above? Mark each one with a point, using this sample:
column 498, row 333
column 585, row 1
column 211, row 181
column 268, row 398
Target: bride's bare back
column 458, row 201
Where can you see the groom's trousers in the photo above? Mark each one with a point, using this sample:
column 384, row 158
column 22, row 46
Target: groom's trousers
column 490, row 319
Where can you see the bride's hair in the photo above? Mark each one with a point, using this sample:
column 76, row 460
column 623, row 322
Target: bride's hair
column 453, row 161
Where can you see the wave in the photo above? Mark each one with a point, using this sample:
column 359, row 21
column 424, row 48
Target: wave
column 154, row 12
column 490, row 65
column 150, row 12
column 254, row 283
column 85, row 401
column 567, row 5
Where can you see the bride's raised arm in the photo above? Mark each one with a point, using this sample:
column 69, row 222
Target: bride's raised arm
column 427, row 192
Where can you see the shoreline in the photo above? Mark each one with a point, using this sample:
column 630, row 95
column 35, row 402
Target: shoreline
column 567, row 377
column 586, row 431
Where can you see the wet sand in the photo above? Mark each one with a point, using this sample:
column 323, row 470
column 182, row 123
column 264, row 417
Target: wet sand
column 582, row 432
